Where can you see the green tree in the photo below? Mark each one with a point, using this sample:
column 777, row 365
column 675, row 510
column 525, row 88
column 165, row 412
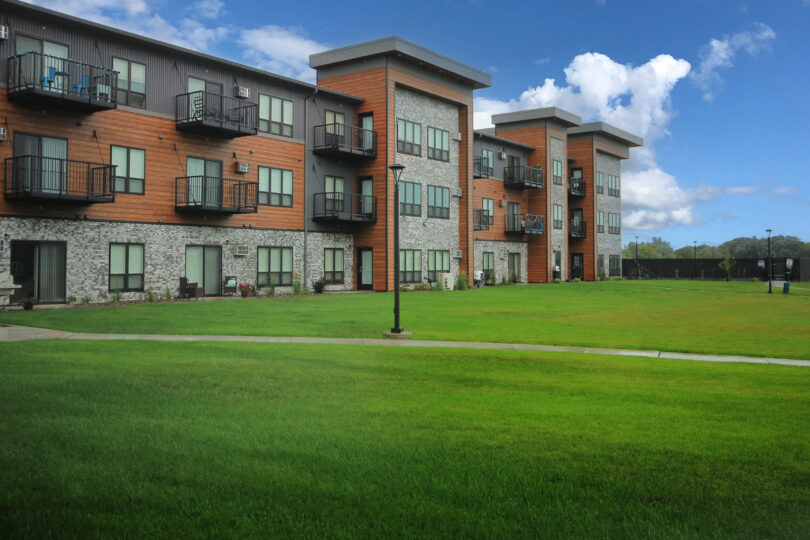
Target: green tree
column 727, row 263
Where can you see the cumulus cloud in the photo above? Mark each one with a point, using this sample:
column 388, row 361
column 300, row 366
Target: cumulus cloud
column 210, row 9
column 720, row 54
column 281, row 50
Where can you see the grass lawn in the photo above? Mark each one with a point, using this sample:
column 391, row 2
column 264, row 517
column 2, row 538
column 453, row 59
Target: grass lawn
column 706, row 317
column 143, row 439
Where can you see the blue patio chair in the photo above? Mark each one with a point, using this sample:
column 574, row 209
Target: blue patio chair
column 49, row 79
column 81, row 88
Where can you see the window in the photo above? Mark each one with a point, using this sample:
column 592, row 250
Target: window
column 600, row 263
column 557, row 172
column 275, row 115
column 275, row 187
column 129, row 168
column 489, row 266
column 489, row 156
column 275, row 266
column 557, row 260
column 600, row 182
column 32, row 69
column 614, row 223
column 489, row 209
column 333, row 193
column 513, row 267
column 438, row 261
column 438, row 202
column 335, row 126
column 557, row 216
column 409, row 137
column 438, row 144
column 615, row 262
column 131, row 83
column 410, row 199
column 600, row 222
column 614, row 187
column 410, row 265
column 126, row 267
column 333, row 265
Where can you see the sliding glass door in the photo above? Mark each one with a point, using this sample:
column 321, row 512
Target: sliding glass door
column 204, row 182
column 39, row 268
column 204, row 267
column 41, row 163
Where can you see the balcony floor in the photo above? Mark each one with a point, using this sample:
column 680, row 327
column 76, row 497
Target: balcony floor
column 64, row 100
column 216, row 128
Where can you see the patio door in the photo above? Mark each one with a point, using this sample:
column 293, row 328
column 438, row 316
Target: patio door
column 365, row 267
column 577, row 266
column 366, row 190
column 514, row 267
column 367, row 124
column 41, row 165
column 205, row 98
column 204, row 182
column 204, row 267
column 39, row 267
column 47, row 69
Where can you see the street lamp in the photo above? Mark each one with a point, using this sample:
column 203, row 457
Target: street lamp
column 770, row 263
column 694, row 270
column 638, row 273
column 396, row 331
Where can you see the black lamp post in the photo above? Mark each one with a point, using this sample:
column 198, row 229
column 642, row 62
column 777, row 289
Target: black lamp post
column 396, row 169
column 770, row 264
column 638, row 272
column 694, row 270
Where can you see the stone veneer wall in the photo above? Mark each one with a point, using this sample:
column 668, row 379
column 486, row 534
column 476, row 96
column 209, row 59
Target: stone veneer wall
column 164, row 251
column 608, row 244
column 501, row 250
column 422, row 232
column 558, row 195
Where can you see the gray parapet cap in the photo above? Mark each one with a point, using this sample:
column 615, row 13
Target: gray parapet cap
column 406, row 50
column 603, row 128
column 548, row 113
column 489, row 133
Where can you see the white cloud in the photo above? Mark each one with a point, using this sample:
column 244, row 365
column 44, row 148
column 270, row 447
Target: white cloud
column 547, row 59
column 210, row 9
column 281, row 50
column 720, row 53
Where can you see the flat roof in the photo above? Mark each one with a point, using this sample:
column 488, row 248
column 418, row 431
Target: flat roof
column 487, row 133
column 602, row 128
column 176, row 48
column 547, row 113
column 397, row 46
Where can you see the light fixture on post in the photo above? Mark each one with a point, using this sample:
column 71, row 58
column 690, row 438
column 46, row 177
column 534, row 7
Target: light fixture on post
column 396, row 331
column 770, row 263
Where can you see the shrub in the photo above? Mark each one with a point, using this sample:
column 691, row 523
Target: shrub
column 271, row 290
column 297, row 286
column 102, row 297
column 116, row 297
column 618, row 278
column 85, row 301
column 71, row 299
column 677, row 274
column 318, row 286
column 576, row 280
column 505, row 280
column 557, row 280
column 602, row 275
column 150, row 296
column 462, row 281
column 754, row 279
column 439, row 286
column 167, row 294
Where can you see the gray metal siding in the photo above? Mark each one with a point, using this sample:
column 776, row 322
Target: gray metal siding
column 497, row 147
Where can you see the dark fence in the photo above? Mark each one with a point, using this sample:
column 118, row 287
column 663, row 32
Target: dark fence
column 41, row 177
column 481, row 167
column 216, row 110
column 743, row 269
column 215, row 194
column 345, row 139
column 339, row 207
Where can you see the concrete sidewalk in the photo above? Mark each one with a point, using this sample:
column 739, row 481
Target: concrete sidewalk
column 21, row 333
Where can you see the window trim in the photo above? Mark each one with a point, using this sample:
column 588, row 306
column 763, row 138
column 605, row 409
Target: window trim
column 270, row 121
column 270, row 192
column 600, row 182
column 435, row 211
column 435, row 253
column 600, row 221
column 416, row 148
column 557, row 178
column 406, row 208
column 333, row 280
column 127, row 178
column 129, row 82
column 557, row 223
column 415, row 273
column 443, row 155
column 281, row 272
column 491, row 216
column 126, row 274
column 486, row 153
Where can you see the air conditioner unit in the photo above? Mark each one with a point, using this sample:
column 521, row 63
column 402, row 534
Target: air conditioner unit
column 458, row 254
column 3, row 31
column 241, row 250
column 3, row 133
column 501, row 155
column 242, row 166
column 458, row 137
column 241, row 92
column 458, row 192
column 447, row 281
column 503, row 203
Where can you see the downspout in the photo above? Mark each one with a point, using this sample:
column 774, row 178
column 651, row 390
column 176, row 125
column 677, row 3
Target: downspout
column 306, row 181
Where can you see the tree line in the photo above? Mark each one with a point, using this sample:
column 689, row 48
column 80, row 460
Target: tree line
column 738, row 248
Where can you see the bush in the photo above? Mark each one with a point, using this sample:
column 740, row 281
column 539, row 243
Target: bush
column 167, row 294
column 618, row 278
column 297, row 286
column 602, row 275
column 439, row 286
column 754, row 279
column 318, row 286
column 116, row 297
column 677, row 274
column 462, row 281
column 576, row 280
column 505, row 280
column 150, row 296
column 557, row 280
column 271, row 290
column 85, row 301
column 71, row 299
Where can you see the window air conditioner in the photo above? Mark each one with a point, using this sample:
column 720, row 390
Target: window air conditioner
column 501, row 155
column 241, row 92
column 458, row 254
column 457, row 192
column 3, row 31
column 458, row 136
column 241, row 250
column 242, row 166
column 3, row 133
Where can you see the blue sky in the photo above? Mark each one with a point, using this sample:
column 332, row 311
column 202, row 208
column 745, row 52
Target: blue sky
column 718, row 89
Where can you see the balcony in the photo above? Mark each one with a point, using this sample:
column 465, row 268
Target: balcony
column 214, row 194
column 480, row 219
column 45, row 80
column 523, row 177
column 344, row 141
column 481, row 167
column 576, row 187
column 215, row 114
column 577, row 228
column 58, row 180
column 524, row 224
column 337, row 207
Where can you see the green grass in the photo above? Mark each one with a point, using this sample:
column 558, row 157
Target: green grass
column 704, row 317
column 138, row 439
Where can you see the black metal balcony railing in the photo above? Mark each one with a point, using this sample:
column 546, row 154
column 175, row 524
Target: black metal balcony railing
column 614, row 192
column 43, row 79
column 355, row 208
column 577, row 228
column 480, row 219
column 524, row 224
column 614, row 230
column 344, row 140
column 576, row 187
column 523, row 177
column 37, row 177
column 215, row 194
column 215, row 114
column 480, row 167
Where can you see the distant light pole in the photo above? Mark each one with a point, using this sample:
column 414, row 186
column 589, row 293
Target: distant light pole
column 770, row 264
column 694, row 270
column 638, row 272
column 396, row 170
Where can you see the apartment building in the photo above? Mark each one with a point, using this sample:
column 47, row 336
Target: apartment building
column 131, row 164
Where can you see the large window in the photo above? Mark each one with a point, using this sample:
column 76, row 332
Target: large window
column 600, row 221
column 513, row 267
column 600, row 182
column 557, row 172
column 614, row 223
column 557, row 215
column 600, row 263
column 615, row 262
column 489, row 266
column 275, row 266
column 614, row 185
column 275, row 187
column 489, row 156
column 438, row 144
column 333, row 265
column 489, row 209
column 126, row 267
column 438, row 202
column 129, row 168
column 409, row 137
column 410, row 265
column 131, row 82
column 275, row 115
column 410, row 199
column 438, row 262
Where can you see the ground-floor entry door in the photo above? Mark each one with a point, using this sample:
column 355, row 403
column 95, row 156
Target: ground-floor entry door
column 204, row 267
column 513, row 267
column 577, row 266
column 365, row 267
column 39, row 267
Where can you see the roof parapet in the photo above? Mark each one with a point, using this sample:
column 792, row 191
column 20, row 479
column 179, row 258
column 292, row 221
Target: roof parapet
column 548, row 113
